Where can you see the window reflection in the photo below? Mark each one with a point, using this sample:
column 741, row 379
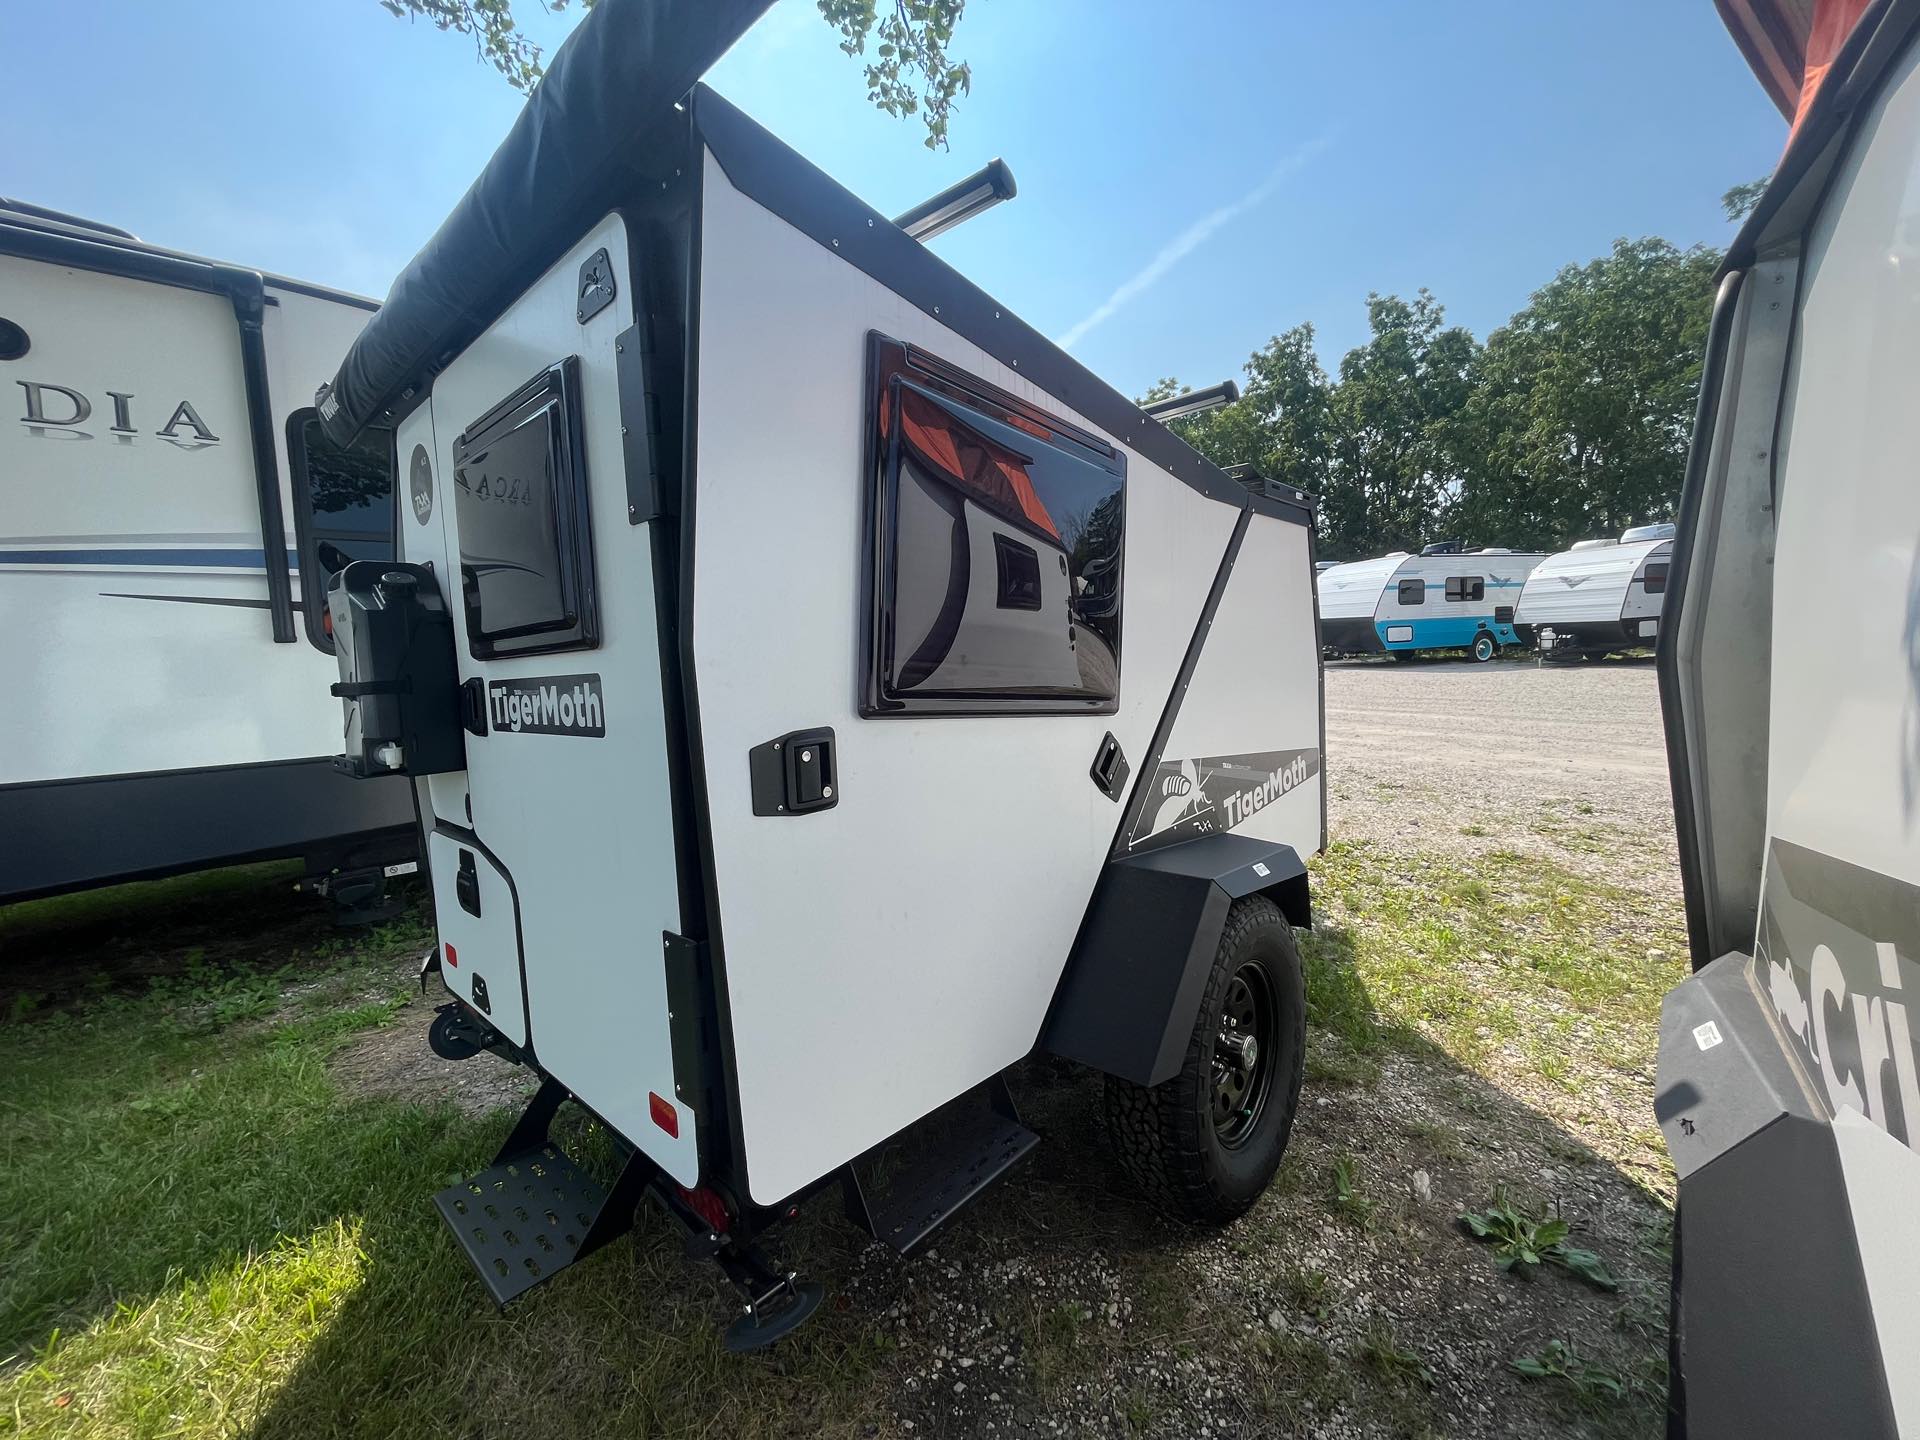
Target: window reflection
column 1001, row 555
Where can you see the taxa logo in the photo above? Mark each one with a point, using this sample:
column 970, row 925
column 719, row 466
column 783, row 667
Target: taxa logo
column 1832, row 955
column 547, row 705
column 1217, row 792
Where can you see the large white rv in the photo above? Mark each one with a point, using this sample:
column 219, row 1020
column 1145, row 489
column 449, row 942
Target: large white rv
column 1401, row 604
column 821, row 691
column 1595, row 598
column 161, row 661
column 1789, row 1081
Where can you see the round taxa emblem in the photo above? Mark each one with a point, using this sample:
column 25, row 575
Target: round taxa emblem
column 420, row 482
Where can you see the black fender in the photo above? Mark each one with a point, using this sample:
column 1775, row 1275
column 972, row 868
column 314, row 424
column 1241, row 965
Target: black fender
column 1127, row 999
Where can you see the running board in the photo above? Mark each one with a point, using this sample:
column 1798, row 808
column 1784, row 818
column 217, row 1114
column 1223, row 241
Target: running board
column 533, row 1212
column 906, row 1188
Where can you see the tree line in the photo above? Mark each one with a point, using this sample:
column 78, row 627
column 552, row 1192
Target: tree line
column 1571, row 421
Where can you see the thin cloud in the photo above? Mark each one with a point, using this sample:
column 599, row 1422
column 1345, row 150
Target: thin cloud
column 1191, row 239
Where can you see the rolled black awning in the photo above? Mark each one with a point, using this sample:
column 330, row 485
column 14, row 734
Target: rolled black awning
column 611, row 88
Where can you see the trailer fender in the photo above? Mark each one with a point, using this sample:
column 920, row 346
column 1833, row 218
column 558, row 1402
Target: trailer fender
column 1127, row 999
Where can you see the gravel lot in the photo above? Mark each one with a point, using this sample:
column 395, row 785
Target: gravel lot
column 1473, row 758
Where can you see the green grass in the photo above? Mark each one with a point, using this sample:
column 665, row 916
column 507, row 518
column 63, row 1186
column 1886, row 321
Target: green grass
column 208, row 1235
column 1515, row 956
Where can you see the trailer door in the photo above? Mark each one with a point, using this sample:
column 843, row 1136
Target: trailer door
column 566, row 792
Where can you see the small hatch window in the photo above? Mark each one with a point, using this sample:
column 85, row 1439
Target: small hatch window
column 1655, row 578
column 1413, row 592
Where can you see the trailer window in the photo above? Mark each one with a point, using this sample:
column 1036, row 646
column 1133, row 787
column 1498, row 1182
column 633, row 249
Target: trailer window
column 994, row 582
column 1413, row 592
column 1466, row 587
column 342, row 509
column 520, row 503
column 1655, row 578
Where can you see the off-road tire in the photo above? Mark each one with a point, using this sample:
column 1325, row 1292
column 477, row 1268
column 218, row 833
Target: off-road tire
column 1164, row 1135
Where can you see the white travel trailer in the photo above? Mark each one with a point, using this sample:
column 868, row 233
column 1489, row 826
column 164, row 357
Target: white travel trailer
column 1401, row 604
column 821, row 693
column 160, row 711
column 1789, row 1082
column 1595, row 598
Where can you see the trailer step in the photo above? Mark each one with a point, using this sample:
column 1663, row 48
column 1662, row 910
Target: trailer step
column 524, row 1219
column 906, row 1188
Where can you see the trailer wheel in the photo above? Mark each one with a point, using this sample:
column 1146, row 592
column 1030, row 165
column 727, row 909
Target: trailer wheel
column 1485, row 647
column 1205, row 1144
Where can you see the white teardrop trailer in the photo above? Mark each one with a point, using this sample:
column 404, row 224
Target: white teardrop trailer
column 821, row 691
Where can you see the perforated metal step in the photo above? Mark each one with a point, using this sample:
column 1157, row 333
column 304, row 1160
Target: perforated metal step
column 526, row 1218
column 909, row 1187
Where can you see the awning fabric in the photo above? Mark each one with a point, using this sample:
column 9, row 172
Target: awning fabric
column 608, row 94
column 1791, row 44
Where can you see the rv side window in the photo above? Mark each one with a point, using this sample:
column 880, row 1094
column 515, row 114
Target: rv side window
column 520, row 502
column 1656, row 577
column 342, row 509
column 1413, row 592
column 997, row 532
column 1466, row 587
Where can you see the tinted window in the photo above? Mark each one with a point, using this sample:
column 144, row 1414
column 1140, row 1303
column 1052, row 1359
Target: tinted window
column 998, row 537
column 1656, row 577
column 1413, row 592
column 519, row 491
column 1466, row 587
column 343, row 509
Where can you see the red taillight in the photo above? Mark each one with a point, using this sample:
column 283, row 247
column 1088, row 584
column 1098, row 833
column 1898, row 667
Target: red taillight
column 664, row 1115
column 452, row 959
column 708, row 1206
column 326, row 623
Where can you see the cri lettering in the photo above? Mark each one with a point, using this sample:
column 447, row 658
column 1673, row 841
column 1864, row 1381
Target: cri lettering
column 59, row 408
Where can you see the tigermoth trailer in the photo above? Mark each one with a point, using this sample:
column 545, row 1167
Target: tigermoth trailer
column 160, row 711
column 822, row 692
column 1789, row 1083
column 1595, row 600
column 1401, row 604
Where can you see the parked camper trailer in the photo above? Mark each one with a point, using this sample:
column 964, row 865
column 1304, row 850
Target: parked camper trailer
column 821, row 692
column 160, row 713
column 1593, row 599
column 1789, row 1081
column 1401, row 604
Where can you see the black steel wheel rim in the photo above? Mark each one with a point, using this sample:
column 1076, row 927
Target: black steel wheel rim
column 1243, row 1074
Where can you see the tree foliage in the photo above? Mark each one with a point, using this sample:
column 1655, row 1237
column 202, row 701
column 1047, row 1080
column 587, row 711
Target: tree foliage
column 1572, row 420
column 909, row 72
column 1740, row 200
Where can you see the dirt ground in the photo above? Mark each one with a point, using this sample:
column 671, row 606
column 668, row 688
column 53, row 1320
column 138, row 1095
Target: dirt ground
column 1475, row 758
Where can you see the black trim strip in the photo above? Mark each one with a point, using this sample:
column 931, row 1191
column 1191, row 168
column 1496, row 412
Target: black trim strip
column 246, row 291
column 1666, row 657
column 196, row 600
column 1150, row 762
column 83, row 831
column 766, row 170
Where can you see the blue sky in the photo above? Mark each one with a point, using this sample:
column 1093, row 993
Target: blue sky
column 1193, row 178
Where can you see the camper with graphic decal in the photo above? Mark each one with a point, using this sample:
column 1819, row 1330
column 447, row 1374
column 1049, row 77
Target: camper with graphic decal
column 931, row 704
column 169, row 515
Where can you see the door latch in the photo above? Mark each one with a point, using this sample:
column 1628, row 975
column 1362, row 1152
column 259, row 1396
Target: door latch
column 796, row 774
column 1109, row 768
column 466, row 885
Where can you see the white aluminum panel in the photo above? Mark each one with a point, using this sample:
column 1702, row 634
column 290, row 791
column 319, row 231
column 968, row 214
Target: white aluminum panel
column 883, row 956
column 583, row 825
column 1844, row 745
column 112, row 666
column 1352, row 591
column 1256, row 687
column 483, row 945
